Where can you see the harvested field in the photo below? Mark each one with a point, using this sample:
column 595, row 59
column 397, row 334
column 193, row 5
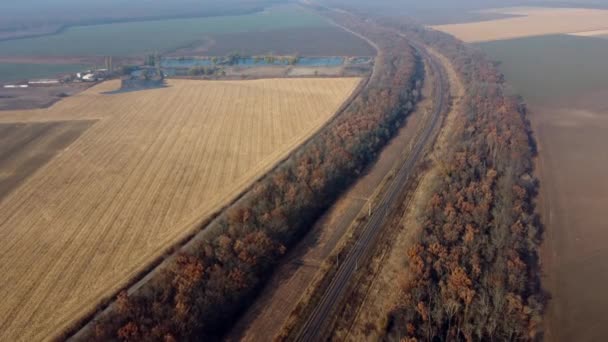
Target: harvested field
column 272, row 309
column 531, row 21
column 567, row 102
column 26, row 147
column 37, row 97
column 156, row 163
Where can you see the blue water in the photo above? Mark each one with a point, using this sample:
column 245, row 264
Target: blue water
column 320, row 61
column 250, row 62
column 185, row 63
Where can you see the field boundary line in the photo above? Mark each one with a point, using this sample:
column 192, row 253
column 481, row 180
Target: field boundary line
column 199, row 227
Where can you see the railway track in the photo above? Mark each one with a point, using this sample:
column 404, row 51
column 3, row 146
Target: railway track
column 316, row 323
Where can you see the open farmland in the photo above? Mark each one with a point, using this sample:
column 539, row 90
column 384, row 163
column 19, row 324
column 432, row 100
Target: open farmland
column 140, row 37
column 37, row 97
column 140, row 179
column 564, row 79
column 26, row 147
column 546, row 67
column 529, row 21
column 17, row 19
column 307, row 41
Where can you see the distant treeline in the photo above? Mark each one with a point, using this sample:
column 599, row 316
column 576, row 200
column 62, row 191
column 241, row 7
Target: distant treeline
column 200, row 295
column 474, row 275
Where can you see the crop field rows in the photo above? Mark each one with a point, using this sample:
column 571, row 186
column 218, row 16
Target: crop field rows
column 26, row 147
column 137, row 181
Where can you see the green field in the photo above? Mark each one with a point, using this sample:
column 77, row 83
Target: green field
column 21, row 71
column 546, row 67
column 133, row 38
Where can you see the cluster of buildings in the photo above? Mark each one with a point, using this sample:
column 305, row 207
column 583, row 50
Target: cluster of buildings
column 91, row 75
column 84, row 76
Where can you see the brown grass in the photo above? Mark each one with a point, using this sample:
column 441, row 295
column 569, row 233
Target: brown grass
column 531, row 22
column 156, row 163
column 296, row 280
column 26, row 147
column 372, row 319
column 285, row 297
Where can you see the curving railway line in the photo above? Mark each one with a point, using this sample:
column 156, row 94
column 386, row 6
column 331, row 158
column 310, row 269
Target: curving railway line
column 319, row 319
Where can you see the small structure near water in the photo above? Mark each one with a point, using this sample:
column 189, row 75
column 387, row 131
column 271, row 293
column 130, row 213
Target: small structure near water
column 143, row 78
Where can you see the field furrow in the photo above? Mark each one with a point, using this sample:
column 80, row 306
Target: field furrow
column 152, row 165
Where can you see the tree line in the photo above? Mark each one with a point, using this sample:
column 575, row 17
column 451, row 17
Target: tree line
column 474, row 274
column 203, row 290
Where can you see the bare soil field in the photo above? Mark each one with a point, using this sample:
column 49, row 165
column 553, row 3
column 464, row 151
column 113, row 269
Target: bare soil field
column 27, row 147
column 573, row 162
column 153, row 166
column 37, row 97
column 529, row 21
column 566, row 94
column 570, row 65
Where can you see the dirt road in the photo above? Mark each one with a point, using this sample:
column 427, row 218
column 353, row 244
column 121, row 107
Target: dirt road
column 283, row 292
column 320, row 316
